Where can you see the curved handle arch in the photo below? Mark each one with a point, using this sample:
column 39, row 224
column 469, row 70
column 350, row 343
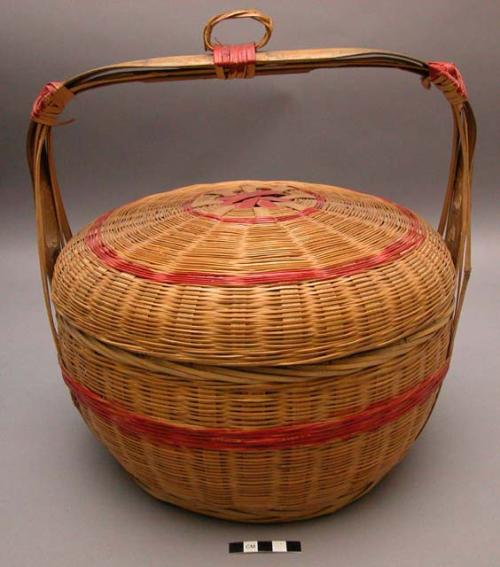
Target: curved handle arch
column 53, row 230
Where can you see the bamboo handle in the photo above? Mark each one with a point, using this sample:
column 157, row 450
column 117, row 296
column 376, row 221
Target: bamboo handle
column 52, row 226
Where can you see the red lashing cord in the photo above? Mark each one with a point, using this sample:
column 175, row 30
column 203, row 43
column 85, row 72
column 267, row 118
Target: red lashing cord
column 234, row 61
column 449, row 71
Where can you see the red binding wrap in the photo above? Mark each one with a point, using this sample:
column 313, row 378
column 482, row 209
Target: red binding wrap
column 234, row 61
column 439, row 70
column 49, row 103
column 161, row 432
column 43, row 97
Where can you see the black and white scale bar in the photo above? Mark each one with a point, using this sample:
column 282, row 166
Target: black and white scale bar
column 275, row 546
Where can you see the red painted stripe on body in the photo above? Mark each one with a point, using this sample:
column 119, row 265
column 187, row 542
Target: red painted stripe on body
column 279, row 437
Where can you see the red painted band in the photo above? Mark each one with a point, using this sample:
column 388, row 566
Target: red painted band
column 279, row 437
column 413, row 238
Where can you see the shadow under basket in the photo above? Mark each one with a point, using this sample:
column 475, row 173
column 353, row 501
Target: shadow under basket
column 255, row 350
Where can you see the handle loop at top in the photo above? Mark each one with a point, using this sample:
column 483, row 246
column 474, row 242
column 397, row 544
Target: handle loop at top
column 253, row 14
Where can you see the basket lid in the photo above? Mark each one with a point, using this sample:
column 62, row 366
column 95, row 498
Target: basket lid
column 254, row 273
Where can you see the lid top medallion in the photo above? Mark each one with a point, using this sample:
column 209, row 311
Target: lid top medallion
column 253, row 203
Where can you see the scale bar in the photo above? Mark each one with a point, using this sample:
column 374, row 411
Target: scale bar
column 274, row 546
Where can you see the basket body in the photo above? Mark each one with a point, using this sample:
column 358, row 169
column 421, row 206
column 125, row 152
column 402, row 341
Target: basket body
column 254, row 350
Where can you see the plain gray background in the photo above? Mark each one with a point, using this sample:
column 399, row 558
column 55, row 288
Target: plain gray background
column 64, row 501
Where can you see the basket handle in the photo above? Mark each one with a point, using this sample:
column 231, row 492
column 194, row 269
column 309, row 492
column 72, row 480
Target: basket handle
column 243, row 61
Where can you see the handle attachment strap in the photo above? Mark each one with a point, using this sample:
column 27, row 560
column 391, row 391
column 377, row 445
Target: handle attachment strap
column 448, row 79
column 235, row 61
column 50, row 102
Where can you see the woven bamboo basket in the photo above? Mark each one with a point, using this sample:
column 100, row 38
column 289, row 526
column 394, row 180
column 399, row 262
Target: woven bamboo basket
column 254, row 350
